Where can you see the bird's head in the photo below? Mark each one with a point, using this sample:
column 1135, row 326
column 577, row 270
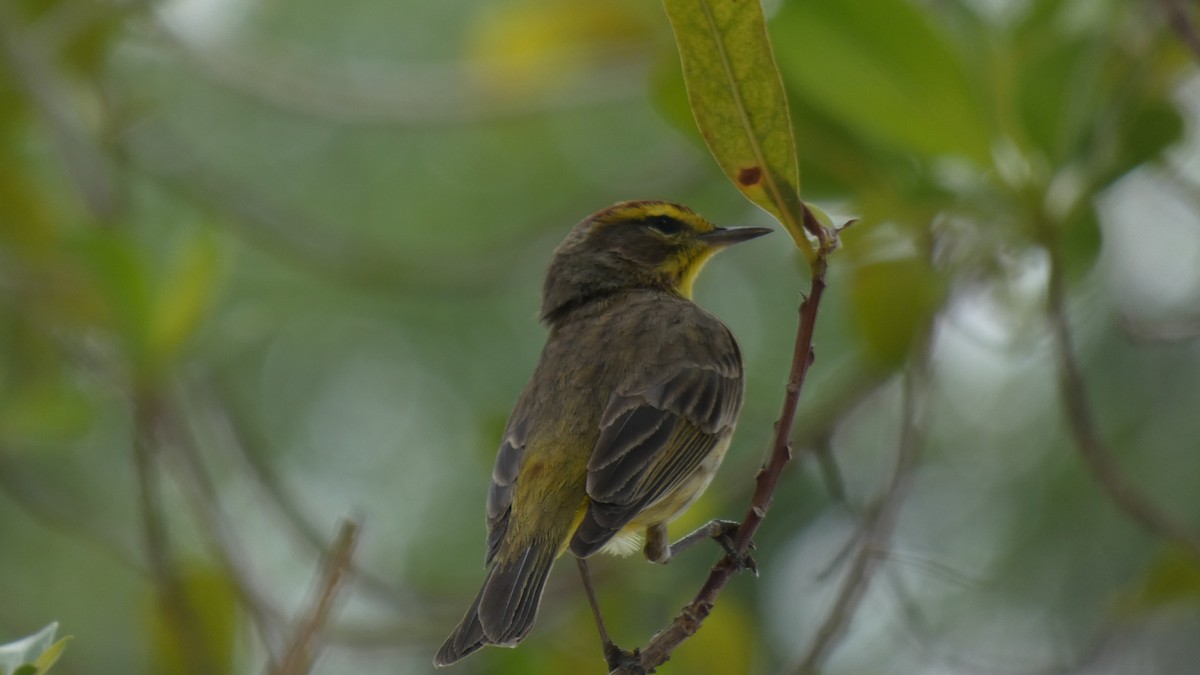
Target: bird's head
column 640, row 244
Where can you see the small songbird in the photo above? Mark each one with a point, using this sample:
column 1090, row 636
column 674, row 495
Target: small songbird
column 625, row 419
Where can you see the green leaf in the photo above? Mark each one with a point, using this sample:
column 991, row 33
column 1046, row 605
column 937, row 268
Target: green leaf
column 1172, row 578
column 885, row 72
column 51, row 655
column 184, row 298
column 43, row 411
column 1080, row 242
column 739, row 103
column 892, row 302
column 197, row 635
column 119, row 274
column 1152, row 129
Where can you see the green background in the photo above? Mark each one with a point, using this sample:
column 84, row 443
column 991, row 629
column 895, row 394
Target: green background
column 293, row 251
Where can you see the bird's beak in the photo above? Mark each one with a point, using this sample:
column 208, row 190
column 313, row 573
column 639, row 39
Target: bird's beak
column 728, row 236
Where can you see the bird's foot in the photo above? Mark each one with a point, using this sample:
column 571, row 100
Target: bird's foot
column 624, row 660
column 722, row 532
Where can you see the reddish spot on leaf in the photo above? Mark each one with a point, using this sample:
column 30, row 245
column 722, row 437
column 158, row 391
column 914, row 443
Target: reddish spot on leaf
column 749, row 175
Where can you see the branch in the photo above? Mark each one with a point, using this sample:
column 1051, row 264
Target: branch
column 302, row 652
column 177, row 611
column 238, row 434
column 881, row 519
column 1092, row 449
column 60, row 512
column 358, row 92
column 33, row 70
column 692, row 616
column 1179, row 21
column 199, row 488
column 313, row 244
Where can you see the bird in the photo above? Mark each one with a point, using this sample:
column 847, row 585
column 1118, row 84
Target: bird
column 624, row 421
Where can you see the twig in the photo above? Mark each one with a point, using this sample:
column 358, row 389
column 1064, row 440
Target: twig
column 59, row 512
column 375, row 93
column 34, row 71
column 692, row 616
column 1179, row 21
column 302, row 652
column 177, row 612
column 1092, row 448
column 199, row 488
column 1176, row 330
column 831, row 474
column 247, row 444
column 310, row 243
column 926, row 638
column 880, row 522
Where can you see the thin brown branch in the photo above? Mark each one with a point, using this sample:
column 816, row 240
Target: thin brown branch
column 831, row 474
column 176, row 610
column 239, row 435
column 34, row 71
column 880, row 522
column 932, row 643
column 1178, row 18
column 1093, row 450
column 301, row 654
column 1175, row 330
column 198, row 486
column 692, row 616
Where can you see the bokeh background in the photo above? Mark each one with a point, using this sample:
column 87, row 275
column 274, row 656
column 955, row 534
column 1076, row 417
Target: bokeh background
column 267, row 265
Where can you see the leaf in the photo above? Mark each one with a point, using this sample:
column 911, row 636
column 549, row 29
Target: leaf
column 533, row 47
column 51, row 655
column 1172, row 578
column 21, row 655
column 184, row 299
column 199, row 635
column 739, row 103
column 119, row 275
column 48, row 410
column 892, row 302
column 1152, row 129
column 1080, row 242
column 885, row 72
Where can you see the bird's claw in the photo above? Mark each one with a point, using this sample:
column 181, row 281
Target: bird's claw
column 723, row 535
column 624, row 660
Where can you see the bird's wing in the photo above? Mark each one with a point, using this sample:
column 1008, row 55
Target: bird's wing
column 504, row 477
column 653, row 435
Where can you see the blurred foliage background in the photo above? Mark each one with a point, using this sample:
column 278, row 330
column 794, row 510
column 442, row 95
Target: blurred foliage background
column 267, row 265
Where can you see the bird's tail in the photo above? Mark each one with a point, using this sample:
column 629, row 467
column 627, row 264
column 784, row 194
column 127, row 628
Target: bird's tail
column 503, row 612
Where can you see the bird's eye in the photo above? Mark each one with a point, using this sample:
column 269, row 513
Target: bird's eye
column 664, row 225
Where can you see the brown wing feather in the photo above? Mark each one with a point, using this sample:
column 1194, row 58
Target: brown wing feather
column 652, row 439
column 504, row 478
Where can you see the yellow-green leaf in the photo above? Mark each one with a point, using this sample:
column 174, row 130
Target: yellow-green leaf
column 893, row 302
column 47, row 410
column 739, row 103
column 24, row 656
column 1171, row 578
column 184, row 298
column 50, row 656
column 198, row 633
